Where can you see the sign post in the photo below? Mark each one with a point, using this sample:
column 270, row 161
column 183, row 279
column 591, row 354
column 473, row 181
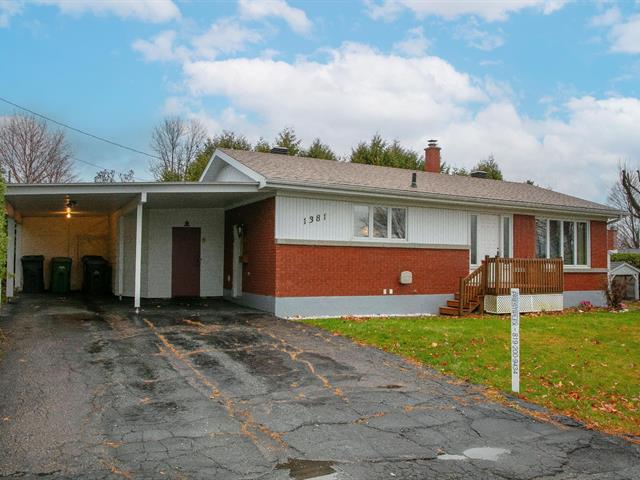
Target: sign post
column 515, row 340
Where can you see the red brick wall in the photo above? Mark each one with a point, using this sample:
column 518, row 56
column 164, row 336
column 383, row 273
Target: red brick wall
column 308, row 270
column 259, row 273
column 524, row 236
column 598, row 244
column 584, row 281
column 612, row 239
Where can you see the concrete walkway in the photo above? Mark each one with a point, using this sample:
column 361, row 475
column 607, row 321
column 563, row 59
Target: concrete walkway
column 210, row 390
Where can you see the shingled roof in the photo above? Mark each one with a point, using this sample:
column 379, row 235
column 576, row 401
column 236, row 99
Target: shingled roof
column 303, row 171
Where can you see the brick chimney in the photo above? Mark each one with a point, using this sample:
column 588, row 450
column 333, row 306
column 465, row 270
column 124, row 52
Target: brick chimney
column 432, row 157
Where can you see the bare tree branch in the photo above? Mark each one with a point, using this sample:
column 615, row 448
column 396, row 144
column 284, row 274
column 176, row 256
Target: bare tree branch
column 30, row 153
column 625, row 195
column 177, row 142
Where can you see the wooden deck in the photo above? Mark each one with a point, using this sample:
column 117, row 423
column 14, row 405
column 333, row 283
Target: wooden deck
column 497, row 276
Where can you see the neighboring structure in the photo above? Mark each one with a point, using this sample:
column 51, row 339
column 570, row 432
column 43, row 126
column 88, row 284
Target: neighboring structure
column 301, row 236
column 630, row 275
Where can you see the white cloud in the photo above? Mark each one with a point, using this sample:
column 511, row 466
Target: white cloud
column 9, row 8
column 477, row 38
column 358, row 91
column 489, row 11
column 224, row 36
column 146, row 10
column 258, row 9
column 625, row 36
column 160, row 48
column 607, row 18
column 415, row 43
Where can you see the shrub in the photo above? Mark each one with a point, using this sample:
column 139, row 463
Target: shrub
column 585, row 306
column 615, row 293
column 631, row 258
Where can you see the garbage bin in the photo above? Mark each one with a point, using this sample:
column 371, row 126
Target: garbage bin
column 60, row 275
column 32, row 274
column 96, row 275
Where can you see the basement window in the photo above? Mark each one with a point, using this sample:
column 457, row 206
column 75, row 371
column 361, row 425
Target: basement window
column 379, row 223
column 563, row 238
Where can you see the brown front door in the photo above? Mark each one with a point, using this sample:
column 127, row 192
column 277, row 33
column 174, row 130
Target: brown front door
column 185, row 262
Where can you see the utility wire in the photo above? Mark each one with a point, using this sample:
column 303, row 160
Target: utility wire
column 83, row 132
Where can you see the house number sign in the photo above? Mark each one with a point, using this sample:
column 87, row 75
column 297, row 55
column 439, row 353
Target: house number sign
column 317, row 218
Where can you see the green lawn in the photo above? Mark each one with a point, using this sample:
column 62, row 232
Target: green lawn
column 585, row 365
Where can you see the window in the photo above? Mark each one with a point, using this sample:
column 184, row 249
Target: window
column 506, row 237
column 562, row 238
column 360, row 221
column 474, row 239
column 581, row 243
column 379, row 222
column 555, row 241
column 569, row 244
column 541, row 238
column 398, row 222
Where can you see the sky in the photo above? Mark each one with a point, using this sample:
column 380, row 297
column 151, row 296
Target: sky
column 550, row 88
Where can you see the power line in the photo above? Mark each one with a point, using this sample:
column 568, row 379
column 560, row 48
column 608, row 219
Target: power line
column 83, row 132
column 103, row 168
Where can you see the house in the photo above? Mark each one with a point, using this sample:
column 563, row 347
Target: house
column 301, row 236
column 629, row 274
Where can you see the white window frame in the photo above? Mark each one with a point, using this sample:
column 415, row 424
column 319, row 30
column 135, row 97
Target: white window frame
column 575, row 240
column 371, row 238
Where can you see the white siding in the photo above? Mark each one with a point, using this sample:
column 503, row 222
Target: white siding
column 426, row 226
column 291, row 214
column 438, row 226
column 230, row 174
column 159, row 234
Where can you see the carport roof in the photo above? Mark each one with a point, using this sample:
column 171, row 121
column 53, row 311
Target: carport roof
column 106, row 198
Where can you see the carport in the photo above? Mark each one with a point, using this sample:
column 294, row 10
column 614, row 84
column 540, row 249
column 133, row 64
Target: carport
column 162, row 239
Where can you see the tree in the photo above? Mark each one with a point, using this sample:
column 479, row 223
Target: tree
column 262, row 146
column 109, row 176
column 3, row 234
column 625, row 195
column 380, row 152
column 31, row 153
column 448, row 169
column 491, row 167
column 226, row 139
column 287, row 138
column 176, row 142
column 319, row 150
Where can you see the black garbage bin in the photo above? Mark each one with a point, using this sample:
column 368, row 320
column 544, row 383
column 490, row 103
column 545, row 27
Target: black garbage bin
column 96, row 275
column 33, row 274
column 60, row 275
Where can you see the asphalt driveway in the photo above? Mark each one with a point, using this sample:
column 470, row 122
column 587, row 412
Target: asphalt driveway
column 211, row 390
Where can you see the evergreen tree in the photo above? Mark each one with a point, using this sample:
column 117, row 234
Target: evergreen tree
column 226, row 139
column 287, row 138
column 262, row 146
column 491, row 167
column 379, row 152
column 319, row 150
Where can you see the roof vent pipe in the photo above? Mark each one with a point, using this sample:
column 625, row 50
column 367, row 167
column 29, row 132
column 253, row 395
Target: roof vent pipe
column 414, row 180
column 280, row 150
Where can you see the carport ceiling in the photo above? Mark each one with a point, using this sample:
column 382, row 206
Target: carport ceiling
column 104, row 199
column 55, row 204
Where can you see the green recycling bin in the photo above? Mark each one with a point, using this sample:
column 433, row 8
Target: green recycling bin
column 60, row 275
column 32, row 274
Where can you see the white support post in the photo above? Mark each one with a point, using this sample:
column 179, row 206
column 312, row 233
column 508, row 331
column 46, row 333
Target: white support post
column 138, row 265
column 11, row 256
column 121, row 256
